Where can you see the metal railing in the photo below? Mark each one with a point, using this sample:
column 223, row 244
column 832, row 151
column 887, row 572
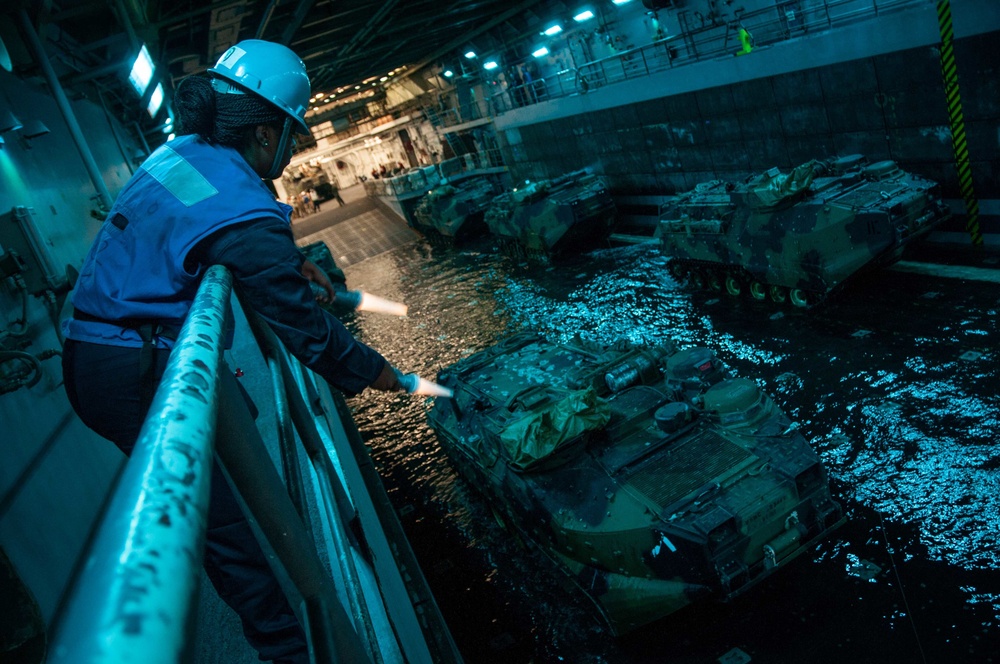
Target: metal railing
column 421, row 179
column 784, row 21
column 136, row 593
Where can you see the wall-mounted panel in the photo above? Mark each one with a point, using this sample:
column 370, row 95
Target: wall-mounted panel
column 804, row 120
column 723, row 129
column 859, row 113
column 681, row 107
column 800, row 87
column 715, row 101
column 848, row 79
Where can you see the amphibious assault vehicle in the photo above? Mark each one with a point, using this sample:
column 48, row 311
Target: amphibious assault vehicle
column 650, row 475
column 797, row 236
column 451, row 212
column 550, row 216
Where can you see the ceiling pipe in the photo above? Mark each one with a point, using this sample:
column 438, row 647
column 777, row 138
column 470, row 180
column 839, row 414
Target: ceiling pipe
column 471, row 34
column 67, row 111
column 123, row 17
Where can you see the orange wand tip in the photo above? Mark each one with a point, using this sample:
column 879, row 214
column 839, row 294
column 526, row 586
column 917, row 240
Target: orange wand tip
column 414, row 384
column 380, row 305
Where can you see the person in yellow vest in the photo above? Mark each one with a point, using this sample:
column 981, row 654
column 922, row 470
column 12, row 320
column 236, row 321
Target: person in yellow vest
column 746, row 41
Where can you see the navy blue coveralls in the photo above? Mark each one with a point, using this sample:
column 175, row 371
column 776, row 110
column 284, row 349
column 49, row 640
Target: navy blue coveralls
column 192, row 205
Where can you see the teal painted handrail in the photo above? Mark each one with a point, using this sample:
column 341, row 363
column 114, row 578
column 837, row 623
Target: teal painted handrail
column 133, row 597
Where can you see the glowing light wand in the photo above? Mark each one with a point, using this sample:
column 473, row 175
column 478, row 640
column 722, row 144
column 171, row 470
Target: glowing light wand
column 414, row 384
column 362, row 301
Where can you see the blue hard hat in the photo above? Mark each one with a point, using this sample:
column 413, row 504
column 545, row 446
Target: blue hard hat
column 270, row 70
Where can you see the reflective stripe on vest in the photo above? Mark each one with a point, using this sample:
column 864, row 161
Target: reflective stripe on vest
column 178, row 176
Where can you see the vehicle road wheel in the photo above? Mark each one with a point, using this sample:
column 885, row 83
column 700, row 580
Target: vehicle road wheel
column 798, row 297
column 697, row 279
column 778, row 294
column 714, row 281
column 733, row 285
column 758, row 290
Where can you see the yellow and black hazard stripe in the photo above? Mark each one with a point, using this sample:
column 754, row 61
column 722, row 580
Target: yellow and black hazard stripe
column 958, row 140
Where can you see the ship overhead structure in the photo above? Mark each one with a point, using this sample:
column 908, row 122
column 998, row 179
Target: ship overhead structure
column 549, row 217
column 797, row 236
column 650, row 475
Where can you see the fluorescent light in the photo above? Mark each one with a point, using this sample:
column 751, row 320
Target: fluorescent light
column 142, row 71
column 155, row 100
column 490, row 64
column 619, row 2
column 470, row 54
column 554, row 30
column 585, row 15
column 540, row 53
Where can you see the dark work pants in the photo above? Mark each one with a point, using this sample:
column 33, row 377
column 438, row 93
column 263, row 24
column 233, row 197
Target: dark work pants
column 102, row 383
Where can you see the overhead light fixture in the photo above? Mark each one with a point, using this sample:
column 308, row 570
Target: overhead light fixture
column 541, row 52
column 619, row 2
column 552, row 30
column 155, row 100
column 141, row 73
column 490, row 64
column 470, row 54
column 9, row 122
column 448, row 73
column 5, row 62
column 585, row 15
column 34, row 129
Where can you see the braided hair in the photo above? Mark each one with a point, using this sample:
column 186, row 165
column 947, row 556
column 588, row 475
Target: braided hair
column 225, row 119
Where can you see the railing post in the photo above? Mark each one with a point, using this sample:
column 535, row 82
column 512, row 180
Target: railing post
column 252, row 472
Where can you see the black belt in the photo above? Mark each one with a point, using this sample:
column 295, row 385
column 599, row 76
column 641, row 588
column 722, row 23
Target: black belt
column 149, row 331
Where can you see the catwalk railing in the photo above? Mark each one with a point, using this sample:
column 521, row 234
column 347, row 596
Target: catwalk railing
column 710, row 38
column 420, row 180
column 135, row 597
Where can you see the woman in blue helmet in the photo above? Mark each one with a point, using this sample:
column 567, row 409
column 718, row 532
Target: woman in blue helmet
column 197, row 201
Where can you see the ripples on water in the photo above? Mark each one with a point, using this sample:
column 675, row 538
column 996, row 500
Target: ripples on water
column 895, row 384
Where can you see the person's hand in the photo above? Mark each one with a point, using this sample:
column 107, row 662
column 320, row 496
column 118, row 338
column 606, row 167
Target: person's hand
column 315, row 274
column 387, row 381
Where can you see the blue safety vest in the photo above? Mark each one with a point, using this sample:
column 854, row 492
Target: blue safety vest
column 138, row 268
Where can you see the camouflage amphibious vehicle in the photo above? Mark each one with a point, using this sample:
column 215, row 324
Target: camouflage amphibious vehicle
column 650, row 475
column 549, row 216
column 798, row 236
column 451, row 212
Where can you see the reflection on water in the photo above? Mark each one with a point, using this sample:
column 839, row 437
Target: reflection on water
column 895, row 383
